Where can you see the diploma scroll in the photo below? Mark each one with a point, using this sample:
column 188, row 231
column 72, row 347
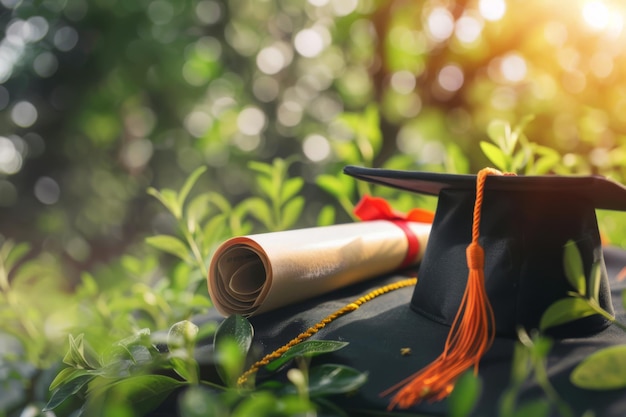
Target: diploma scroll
column 254, row 274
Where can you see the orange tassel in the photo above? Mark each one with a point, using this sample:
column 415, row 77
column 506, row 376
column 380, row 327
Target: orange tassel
column 472, row 331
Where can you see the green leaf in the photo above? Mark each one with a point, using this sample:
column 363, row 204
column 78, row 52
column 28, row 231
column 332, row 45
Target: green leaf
column 220, row 202
column 291, row 187
column 326, row 216
column 520, row 369
column 267, row 187
column 188, row 185
column 594, row 282
column 143, row 392
column 534, row 408
column 213, row 231
column 259, row 404
column 169, row 199
column 499, row 131
column 260, row 210
column 332, row 185
column 66, row 390
column 291, row 212
column 182, row 334
column 465, row 395
column 564, row 311
column 187, row 370
column 548, row 160
column 237, row 328
column 199, row 402
column 308, row 348
column 231, row 342
column 197, row 210
column 573, row 266
column 602, row 370
column 329, row 379
column 541, row 346
column 15, row 255
column 140, row 336
column 65, row 376
column 520, row 159
column 171, row 245
column 88, row 285
column 261, row 167
column 81, row 354
column 495, row 155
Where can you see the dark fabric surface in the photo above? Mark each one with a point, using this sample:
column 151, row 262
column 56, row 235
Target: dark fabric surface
column 380, row 328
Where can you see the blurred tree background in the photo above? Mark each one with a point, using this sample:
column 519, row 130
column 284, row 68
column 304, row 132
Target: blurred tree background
column 100, row 99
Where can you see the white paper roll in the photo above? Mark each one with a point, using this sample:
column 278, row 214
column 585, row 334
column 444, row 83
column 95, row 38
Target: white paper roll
column 249, row 275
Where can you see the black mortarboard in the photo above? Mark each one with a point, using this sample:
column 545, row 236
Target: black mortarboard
column 523, row 226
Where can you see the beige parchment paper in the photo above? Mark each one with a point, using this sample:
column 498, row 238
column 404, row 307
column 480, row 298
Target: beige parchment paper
column 253, row 274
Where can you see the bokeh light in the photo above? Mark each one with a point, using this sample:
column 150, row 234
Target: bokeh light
column 10, row 157
column 596, row 14
column 513, row 67
column 105, row 110
column 440, row 24
column 47, row 190
column 24, row 114
column 492, row 9
column 316, row 147
column 251, row 121
column 468, row 28
column 311, row 42
column 451, row 77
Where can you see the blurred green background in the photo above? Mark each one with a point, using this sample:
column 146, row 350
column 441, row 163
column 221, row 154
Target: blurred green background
column 100, row 99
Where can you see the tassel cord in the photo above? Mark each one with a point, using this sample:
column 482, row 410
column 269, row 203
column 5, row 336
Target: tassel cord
column 472, row 332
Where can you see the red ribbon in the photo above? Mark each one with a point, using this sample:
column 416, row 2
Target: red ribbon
column 376, row 208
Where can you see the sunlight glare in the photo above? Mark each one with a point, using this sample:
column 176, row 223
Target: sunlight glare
column 492, row 9
column 596, row 14
column 316, row 147
column 451, row 78
column 468, row 29
column 440, row 24
column 514, row 67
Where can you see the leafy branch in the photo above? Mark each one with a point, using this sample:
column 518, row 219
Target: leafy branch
column 136, row 375
column 279, row 205
column 511, row 151
column 583, row 301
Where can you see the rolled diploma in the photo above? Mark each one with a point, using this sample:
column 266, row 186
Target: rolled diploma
column 253, row 274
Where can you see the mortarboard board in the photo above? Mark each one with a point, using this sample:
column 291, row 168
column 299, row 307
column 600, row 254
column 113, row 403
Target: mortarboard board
column 524, row 224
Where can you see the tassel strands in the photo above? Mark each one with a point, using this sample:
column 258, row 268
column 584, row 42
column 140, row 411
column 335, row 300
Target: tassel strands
column 472, row 331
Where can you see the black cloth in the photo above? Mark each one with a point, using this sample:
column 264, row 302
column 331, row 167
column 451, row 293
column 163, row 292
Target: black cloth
column 380, row 328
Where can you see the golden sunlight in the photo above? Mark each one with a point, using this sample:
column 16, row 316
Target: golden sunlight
column 596, row 14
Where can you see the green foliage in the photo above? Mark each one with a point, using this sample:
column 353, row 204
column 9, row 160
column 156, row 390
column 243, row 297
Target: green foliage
column 280, row 205
column 307, row 349
column 133, row 376
column 602, row 370
column 232, row 341
column 530, row 361
column 583, row 301
column 510, row 150
column 217, row 98
column 466, row 393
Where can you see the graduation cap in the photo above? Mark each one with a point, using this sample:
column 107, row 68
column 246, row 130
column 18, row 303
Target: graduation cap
column 493, row 264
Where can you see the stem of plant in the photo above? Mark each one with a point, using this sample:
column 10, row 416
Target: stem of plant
column 542, row 379
column 596, row 307
column 195, row 250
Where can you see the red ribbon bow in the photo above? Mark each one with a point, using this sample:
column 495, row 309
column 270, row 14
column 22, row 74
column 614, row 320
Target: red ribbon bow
column 376, row 208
